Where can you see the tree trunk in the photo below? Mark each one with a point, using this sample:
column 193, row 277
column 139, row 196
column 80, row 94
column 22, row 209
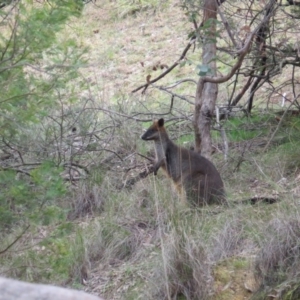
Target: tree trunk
column 206, row 94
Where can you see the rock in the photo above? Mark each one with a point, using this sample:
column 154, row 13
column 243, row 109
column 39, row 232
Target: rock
column 17, row 290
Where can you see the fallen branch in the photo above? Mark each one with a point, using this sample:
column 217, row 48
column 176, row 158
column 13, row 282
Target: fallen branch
column 129, row 183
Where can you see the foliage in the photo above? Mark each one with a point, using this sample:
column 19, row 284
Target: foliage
column 31, row 200
column 31, row 66
column 36, row 74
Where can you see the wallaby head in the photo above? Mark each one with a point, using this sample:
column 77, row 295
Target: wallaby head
column 155, row 131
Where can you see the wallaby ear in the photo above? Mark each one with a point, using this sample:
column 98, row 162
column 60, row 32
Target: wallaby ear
column 161, row 122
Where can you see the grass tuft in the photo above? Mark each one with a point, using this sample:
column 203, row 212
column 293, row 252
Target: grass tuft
column 279, row 258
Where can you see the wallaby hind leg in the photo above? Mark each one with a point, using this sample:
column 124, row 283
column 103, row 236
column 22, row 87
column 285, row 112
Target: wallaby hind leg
column 197, row 190
column 203, row 190
column 181, row 191
column 218, row 196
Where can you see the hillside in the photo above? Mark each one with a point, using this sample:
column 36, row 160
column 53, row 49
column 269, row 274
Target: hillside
column 127, row 235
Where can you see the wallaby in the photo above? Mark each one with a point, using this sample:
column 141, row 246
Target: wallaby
column 188, row 169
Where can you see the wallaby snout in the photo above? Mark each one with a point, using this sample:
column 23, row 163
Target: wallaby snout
column 153, row 132
column 146, row 136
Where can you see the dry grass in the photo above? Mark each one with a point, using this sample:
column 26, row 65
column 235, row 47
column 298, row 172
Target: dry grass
column 123, row 51
column 278, row 259
column 159, row 249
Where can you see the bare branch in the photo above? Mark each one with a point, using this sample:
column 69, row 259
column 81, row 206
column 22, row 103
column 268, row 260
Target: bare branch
column 17, row 238
column 14, row 149
column 181, row 81
column 242, row 53
column 174, row 94
column 227, row 27
column 182, row 56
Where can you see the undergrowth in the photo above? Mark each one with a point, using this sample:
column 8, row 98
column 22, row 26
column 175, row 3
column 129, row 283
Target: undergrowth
column 149, row 244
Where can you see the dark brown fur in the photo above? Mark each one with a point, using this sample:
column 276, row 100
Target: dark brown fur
column 188, row 169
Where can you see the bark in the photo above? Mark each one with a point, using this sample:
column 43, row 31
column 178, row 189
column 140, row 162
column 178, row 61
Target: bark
column 206, row 94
